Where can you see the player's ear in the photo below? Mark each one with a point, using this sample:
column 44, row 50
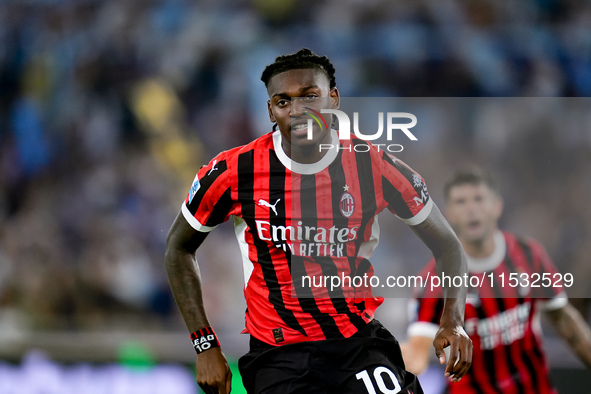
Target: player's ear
column 271, row 116
column 335, row 98
column 498, row 206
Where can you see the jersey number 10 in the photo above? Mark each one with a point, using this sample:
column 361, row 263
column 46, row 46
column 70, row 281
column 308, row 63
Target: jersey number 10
column 378, row 376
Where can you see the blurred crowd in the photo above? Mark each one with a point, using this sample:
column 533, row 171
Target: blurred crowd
column 109, row 107
column 38, row 375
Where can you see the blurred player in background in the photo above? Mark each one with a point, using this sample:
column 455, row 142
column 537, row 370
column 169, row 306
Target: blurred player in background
column 315, row 216
column 500, row 319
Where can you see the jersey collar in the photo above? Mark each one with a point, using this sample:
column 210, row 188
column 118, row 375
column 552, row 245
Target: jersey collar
column 489, row 263
column 301, row 168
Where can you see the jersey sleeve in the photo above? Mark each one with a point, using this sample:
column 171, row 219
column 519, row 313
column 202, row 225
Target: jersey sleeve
column 426, row 309
column 209, row 201
column 549, row 297
column 405, row 191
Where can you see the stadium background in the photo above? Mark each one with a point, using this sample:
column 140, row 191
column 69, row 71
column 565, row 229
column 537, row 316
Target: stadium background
column 108, row 108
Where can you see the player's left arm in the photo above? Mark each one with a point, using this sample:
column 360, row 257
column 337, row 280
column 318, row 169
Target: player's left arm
column 450, row 259
column 573, row 329
column 567, row 321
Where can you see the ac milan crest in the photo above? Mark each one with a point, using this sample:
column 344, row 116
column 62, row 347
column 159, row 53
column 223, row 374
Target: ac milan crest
column 347, row 204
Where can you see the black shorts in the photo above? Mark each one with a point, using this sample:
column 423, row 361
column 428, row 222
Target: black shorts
column 368, row 362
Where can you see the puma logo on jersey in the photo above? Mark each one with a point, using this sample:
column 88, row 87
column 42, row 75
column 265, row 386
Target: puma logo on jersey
column 266, row 204
column 213, row 168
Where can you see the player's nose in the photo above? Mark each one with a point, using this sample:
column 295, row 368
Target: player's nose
column 296, row 108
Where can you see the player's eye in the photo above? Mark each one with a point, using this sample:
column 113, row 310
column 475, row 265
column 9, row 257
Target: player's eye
column 310, row 98
column 282, row 103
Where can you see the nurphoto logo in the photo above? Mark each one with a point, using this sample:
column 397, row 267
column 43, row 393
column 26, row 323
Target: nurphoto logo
column 344, row 132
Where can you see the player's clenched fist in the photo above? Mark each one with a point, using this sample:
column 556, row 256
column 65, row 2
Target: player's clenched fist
column 460, row 351
column 213, row 372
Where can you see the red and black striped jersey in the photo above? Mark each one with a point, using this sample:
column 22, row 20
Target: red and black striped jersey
column 501, row 318
column 299, row 223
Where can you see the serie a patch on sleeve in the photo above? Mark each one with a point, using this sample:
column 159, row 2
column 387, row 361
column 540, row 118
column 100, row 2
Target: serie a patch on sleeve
column 194, row 188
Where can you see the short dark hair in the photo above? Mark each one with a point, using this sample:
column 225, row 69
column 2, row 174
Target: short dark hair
column 302, row 59
column 473, row 176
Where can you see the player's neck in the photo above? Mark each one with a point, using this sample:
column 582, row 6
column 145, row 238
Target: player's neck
column 481, row 248
column 306, row 154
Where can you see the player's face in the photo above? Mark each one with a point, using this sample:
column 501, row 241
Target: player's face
column 312, row 88
column 473, row 211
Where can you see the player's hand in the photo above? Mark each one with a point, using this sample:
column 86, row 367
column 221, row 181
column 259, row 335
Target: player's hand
column 460, row 353
column 213, row 372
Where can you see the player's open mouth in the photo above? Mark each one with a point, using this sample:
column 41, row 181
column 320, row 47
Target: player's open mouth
column 299, row 130
column 474, row 224
column 300, row 127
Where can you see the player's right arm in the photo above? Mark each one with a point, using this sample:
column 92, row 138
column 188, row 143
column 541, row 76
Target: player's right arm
column 213, row 371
